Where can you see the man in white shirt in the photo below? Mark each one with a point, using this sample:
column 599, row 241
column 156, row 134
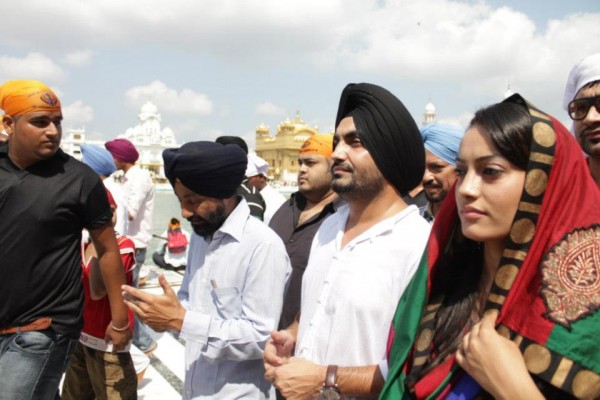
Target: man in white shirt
column 232, row 291
column 362, row 257
column 257, row 173
column 138, row 193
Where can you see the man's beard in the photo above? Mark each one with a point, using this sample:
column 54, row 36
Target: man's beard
column 206, row 227
column 358, row 186
column 589, row 146
column 437, row 197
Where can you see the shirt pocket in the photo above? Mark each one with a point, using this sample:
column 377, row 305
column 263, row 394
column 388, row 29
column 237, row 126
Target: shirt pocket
column 228, row 302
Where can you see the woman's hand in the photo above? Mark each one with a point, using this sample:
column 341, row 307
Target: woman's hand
column 495, row 362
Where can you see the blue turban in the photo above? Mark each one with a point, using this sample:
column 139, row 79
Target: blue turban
column 98, row 158
column 207, row 168
column 443, row 141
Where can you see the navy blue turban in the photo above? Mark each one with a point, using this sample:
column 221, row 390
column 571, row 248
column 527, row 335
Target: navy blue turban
column 388, row 132
column 233, row 140
column 443, row 141
column 206, row 168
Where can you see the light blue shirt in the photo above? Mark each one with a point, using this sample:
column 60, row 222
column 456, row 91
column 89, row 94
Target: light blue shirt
column 233, row 289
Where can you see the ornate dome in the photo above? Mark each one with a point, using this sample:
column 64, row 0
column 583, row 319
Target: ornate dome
column 430, row 108
column 149, row 108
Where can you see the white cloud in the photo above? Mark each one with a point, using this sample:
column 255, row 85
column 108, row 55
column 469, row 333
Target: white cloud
column 32, row 66
column 168, row 100
column 469, row 45
column 269, row 109
column 77, row 114
column 79, row 58
column 434, row 39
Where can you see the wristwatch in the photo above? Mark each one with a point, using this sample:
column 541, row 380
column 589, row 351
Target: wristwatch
column 330, row 391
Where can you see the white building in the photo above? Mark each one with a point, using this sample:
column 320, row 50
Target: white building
column 150, row 140
column 147, row 136
column 429, row 114
column 72, row 140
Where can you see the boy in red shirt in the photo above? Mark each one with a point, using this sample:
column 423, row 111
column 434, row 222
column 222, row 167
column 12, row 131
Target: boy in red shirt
column 96, row 371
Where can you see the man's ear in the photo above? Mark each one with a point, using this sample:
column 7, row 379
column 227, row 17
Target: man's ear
column 8, row 124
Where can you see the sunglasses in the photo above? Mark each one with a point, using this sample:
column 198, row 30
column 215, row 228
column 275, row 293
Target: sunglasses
column 578, row 109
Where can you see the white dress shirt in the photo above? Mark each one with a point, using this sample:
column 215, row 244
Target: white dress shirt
column 349, row 295
column 233, row 288
column 273, row 200
column 116, row 190
column 138, row 191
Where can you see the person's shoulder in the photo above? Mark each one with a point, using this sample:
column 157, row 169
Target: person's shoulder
column 74, row 166
column 339, row 216
column 410, row 226
column 260, row 232
column 125, row 243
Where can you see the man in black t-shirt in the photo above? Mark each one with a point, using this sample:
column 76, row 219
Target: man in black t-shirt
column 46, row 199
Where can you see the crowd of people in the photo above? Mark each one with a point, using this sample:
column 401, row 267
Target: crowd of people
column 435, row 263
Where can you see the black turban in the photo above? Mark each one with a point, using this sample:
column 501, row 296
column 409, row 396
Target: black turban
column 388, row 131
column 206, row 168
column 233, row 140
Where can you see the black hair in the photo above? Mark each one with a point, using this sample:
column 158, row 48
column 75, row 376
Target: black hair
column 457, row 282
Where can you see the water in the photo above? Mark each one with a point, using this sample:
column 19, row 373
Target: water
column 166, row 206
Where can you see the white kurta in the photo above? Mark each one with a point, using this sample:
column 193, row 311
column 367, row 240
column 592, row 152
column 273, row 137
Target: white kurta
column 349, row 295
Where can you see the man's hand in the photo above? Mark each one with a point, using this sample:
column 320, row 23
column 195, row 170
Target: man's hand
column 160, row 312
column 278, row 350
column 495, row 362
column 299, row 379
column 119, row 339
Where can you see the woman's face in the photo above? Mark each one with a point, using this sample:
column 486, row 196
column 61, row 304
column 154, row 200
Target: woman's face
column 488, row 188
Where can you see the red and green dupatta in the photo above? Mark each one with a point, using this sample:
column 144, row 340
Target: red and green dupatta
column 547, row 285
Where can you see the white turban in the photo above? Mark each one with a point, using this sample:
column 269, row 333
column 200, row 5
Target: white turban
column 257, row 166
column 584, row 72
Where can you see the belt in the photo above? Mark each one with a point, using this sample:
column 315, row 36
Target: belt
column 38, row 325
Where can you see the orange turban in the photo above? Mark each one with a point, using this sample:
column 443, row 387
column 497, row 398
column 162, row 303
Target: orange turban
column 22, row 96
column 321, row 145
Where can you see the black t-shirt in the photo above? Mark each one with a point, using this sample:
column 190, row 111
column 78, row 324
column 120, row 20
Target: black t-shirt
column 297, row 240
column 43, row 210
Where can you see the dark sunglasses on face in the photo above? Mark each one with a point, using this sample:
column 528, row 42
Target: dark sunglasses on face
column 579, row 108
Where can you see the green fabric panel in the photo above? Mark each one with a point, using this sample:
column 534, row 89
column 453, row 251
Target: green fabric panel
column 580, row 343
column 406, row 322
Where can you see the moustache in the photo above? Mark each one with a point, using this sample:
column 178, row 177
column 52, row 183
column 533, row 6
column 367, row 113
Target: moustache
column 343, row 165
column 589, row 129
column 196, row 220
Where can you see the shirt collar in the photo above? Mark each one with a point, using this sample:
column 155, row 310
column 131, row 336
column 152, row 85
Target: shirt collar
column 381, row 228
column 236, row 221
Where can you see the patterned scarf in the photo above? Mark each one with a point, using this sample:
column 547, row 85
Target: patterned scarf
column 547, row 285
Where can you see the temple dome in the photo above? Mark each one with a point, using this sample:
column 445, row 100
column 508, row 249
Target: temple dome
column 149, row 108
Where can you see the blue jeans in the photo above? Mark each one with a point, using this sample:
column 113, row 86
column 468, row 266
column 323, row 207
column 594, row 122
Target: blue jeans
column 141, row 338
column 32, row 364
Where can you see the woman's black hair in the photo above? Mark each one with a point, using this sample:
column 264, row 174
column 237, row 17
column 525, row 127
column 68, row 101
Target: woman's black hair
column 509, row 127
column 457, row 282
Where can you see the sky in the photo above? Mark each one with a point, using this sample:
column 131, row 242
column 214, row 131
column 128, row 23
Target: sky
column 222, row 67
